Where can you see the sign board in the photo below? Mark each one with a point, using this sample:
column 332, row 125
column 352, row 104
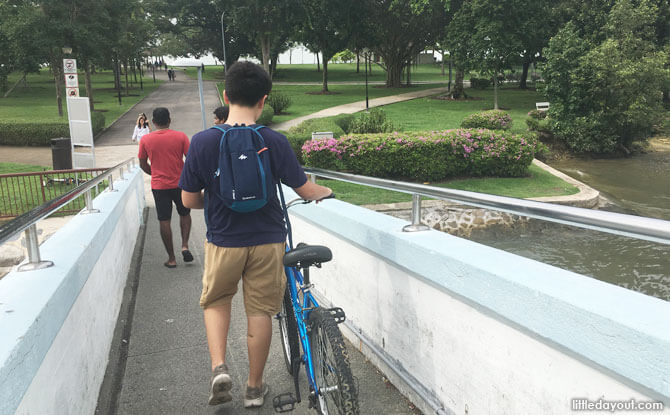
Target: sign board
column 79, row 114
column 81, row 131
column 72, row 92
column 318, row 136
column 82, row 160
column 71, row 80
column 69, row 66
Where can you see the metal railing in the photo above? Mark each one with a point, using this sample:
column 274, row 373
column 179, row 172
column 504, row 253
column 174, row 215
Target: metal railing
column 21, row 192
column 27, row 222
column 649, row 229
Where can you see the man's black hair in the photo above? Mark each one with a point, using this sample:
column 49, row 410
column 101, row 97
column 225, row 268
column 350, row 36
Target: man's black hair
column 161, row 117
column 221, row 113
column 247, row 83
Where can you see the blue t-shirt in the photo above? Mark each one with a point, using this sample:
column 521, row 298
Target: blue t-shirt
column 226, row 227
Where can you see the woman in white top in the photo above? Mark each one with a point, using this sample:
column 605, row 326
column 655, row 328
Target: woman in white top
column 141, row 128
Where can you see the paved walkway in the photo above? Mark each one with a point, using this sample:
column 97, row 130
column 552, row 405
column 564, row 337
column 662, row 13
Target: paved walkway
column 359, row 106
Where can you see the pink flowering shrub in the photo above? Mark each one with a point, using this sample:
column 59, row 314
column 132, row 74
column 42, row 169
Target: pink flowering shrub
column 425, row 156
column 492, row 120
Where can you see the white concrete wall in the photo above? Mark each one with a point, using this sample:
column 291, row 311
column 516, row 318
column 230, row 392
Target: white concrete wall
column 468, row 351
column 68, row 355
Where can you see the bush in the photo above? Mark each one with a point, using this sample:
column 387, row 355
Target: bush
column 298, row 135
column 425, row 156
column 605, row 94
column 480, row 83
column 344, row 122
column 40, row 134
column 374, row 121
column 97, row 122
column 278, row 101
column 266, row 116
column 537, row 114
column 492, row 120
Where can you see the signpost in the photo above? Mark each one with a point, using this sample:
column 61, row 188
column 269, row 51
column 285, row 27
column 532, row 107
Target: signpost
column 79, row 119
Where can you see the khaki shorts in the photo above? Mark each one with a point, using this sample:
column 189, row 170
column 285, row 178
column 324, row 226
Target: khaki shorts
column 262, row 272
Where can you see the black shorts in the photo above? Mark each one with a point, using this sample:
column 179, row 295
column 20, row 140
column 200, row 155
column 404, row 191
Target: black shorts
column 164, row 199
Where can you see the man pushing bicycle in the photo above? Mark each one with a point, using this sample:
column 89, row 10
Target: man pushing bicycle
column 238, row 165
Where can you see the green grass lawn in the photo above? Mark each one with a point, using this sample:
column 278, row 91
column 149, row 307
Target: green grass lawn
column 538, row 183
column 337, row 72
column 8, row 168
column 37, row 101
column 305, row 103
column 435, row 114
column 20, row 194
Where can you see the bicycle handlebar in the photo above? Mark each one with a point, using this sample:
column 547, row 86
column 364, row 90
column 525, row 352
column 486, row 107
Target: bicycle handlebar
column 301, row 201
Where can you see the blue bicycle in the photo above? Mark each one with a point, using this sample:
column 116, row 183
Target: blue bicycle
column 305, row 325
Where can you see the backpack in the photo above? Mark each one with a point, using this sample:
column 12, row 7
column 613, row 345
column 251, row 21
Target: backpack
column 244, row 176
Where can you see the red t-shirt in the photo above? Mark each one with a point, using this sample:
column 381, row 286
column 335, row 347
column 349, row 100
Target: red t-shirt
column 165, row 150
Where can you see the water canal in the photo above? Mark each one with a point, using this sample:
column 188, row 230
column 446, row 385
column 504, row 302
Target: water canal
column 638, row 185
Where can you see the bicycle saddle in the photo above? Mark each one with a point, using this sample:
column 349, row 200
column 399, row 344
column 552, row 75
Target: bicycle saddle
column 304, row 256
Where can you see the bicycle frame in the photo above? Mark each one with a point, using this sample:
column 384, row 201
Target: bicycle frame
column 301, row 311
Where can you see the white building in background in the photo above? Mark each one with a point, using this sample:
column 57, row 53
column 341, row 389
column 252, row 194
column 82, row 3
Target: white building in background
column 295, row 55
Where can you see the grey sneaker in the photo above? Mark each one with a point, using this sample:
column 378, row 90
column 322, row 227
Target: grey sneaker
column 219, row 390
column 254, row 397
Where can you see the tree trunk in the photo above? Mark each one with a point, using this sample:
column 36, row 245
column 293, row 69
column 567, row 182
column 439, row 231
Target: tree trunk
column 89, row 88
column 459, row 91
column 442, row 51
column 134, row 71
column 318, row 67
column 125, row 64
column 265, row 50
column 358, row 62
column 495, row 91
column 394, row 70
column 325, row 75
column 524, row 75
column 273, row 66
column 409, row 71
column 58, row 79
column 9, row 91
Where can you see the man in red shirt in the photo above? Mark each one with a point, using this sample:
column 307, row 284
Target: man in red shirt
column 166, row 149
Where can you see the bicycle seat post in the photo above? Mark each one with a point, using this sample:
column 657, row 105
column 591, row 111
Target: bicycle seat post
column 305, row 274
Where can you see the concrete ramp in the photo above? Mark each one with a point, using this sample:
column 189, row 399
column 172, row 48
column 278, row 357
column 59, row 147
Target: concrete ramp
column 167, row 365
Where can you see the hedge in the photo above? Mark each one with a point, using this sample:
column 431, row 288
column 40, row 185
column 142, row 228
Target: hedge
column 40, row 134
column 425, row 156
column 266, row 116
column 298, row 135
column 492, row 120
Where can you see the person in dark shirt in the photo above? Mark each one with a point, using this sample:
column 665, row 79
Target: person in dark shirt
column 221, row 115
column 248, row 246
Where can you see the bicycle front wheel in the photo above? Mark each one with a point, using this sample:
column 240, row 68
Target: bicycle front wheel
column 288, row 328
column 336, row 391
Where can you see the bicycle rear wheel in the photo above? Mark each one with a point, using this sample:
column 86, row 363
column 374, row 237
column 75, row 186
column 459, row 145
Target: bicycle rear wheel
column 337, row 393
column 288, row 328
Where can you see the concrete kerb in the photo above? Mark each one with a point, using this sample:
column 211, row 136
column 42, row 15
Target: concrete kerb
column 587, row 197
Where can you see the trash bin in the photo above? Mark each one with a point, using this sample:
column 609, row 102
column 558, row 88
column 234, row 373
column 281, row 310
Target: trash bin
column 61, row 153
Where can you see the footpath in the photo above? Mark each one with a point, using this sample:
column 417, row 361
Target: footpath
column 359, row 106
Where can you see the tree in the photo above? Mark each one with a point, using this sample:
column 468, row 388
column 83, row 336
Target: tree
column 266, row 21
column 22, row 50
column 605, row 94
column 484, row 35
column 193, row 27
column 329, row 26
column 403, row 28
